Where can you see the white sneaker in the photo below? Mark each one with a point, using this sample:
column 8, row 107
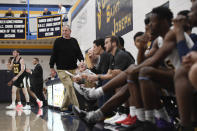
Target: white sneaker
column 11, row 106
column 122, row 117
column 108, row 121
column 11, row 113
column 27, row 107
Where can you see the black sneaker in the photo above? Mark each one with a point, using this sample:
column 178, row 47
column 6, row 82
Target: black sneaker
column 80, row 113
column 89, row 118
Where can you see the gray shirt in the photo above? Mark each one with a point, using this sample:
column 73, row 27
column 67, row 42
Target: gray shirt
column 121, row 60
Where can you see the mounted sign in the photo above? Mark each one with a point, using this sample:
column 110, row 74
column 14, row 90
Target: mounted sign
column 49, row 26
column 113, row 17
column 12, row 29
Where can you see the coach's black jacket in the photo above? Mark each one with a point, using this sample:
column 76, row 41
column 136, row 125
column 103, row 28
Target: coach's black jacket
column 37, row 76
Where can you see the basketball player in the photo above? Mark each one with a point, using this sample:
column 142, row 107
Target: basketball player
column 18, row 66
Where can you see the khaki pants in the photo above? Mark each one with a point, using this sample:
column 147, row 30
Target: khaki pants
column 70, row 96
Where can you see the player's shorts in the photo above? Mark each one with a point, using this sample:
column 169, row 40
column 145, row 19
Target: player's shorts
column 19, row 82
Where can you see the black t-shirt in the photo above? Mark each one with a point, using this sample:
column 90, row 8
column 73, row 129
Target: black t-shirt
column 23, row 15
column 103, row 65
column 47, row 13
column 9, row 14
column 120, row 61
column 133, row 60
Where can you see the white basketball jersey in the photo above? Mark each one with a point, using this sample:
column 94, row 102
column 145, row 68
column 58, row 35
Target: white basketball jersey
column 174, row 58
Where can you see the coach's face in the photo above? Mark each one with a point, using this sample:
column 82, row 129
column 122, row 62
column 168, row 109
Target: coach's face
column 34, row 62
column 66, row 31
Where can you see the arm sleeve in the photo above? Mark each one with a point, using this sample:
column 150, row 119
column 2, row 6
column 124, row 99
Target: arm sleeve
column 79, row 53
column 53, row 55
column 122, row 62
column 95, row 70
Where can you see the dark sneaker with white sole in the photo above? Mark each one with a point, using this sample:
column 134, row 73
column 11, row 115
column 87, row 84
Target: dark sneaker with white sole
column 91, row 117
column 85, row 93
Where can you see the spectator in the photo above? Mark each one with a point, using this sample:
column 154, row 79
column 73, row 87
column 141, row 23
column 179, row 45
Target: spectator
column 80, row 78
column 24, row 14
column 9, row 13
column 62, row 10
column 104, row 57
column 122, row 48
column 91, row 59
column 46, row 12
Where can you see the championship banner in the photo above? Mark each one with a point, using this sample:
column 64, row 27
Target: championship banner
column 113, row 17
column 12, row 29
column 49, row 26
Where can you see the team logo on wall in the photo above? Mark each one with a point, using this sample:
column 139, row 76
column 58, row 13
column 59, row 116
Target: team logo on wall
column 113, row 17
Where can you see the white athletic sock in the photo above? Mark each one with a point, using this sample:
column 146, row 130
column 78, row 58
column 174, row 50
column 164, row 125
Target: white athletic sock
column 140, row 114
column 132, row 111
column 162, row 113
column 14, row 95
column 149, row 116
column 96, row 93
column 19, row 103
column 26, row 94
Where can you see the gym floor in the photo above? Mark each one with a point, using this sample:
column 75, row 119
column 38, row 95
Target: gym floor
column 45, row 119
